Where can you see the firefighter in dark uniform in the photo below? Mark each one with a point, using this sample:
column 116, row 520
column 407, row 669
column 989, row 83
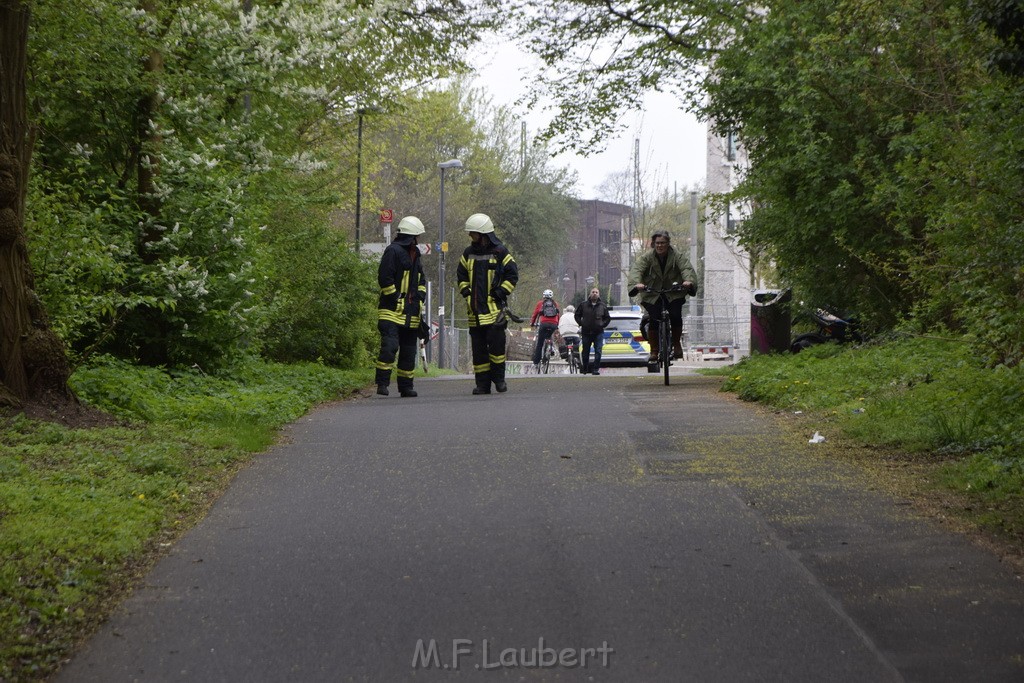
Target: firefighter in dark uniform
column 487, row 274
column 403, row 289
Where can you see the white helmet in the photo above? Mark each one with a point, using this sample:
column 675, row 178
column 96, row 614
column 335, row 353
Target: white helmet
column 411, row 225
column 570, row 308
column 548, row 294
column 479, row 222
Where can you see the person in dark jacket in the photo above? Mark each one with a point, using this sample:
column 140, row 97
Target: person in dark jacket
column 487, row 274
column 403, row 289
column 593, row 317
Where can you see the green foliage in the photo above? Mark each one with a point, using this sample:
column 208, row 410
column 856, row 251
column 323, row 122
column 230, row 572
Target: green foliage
column 163, row 129
column 527, row 199
column 882, row 139
column 317, row 298
column 886, row 186
column 933, row 397
column 190, row 397
column 603, row 59
column 324, row 306
column 919, row 394
column 118, row 491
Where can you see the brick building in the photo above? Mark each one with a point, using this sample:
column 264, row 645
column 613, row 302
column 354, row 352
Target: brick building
column 598, row 248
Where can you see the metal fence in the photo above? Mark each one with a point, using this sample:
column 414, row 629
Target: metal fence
column 717, row 326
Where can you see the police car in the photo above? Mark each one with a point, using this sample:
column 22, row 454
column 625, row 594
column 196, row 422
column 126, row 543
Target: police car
column 623, row 343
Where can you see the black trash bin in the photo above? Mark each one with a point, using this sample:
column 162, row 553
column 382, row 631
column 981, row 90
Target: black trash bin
column 770, row 320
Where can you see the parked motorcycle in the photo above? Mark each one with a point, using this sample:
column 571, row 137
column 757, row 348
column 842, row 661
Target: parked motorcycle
column 831, row 327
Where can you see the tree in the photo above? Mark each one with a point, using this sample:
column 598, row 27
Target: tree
column 527, row 198
column 158, row 122
column 604, row 56
column 32, row 358
column 881, row 151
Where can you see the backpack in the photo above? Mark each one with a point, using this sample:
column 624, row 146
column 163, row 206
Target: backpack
column 548, row 309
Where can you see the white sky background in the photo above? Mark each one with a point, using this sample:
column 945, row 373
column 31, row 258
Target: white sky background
column 672, row 142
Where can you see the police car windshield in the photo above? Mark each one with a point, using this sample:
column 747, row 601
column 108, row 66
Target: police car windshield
column 624, row 324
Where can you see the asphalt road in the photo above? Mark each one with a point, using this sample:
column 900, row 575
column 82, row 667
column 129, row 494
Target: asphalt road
column 573, row 529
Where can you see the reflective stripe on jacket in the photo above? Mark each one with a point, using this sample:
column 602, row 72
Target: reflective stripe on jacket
column 403, row 286
column 480, row 275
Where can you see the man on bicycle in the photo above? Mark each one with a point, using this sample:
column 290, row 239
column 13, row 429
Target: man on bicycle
column 593, row 317
column 545, row 318
column 660, row 268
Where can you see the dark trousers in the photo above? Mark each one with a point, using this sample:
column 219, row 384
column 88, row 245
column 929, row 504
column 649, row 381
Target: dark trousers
column 675, row 316
column 597, row 341
column 400, row 341
column 544, row 333
column 488, row 342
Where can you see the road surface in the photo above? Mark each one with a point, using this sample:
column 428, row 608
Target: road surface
column 573, row 529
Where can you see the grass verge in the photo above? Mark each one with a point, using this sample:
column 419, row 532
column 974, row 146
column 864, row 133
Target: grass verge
column 956, row 423
column 83, row 512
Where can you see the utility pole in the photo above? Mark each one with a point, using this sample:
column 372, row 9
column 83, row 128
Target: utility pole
column 444, row 165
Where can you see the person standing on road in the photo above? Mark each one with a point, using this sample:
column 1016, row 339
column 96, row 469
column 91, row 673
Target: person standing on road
column 593, row 317
column 545, row 319
column 487, row 274
column 403, row 289
column 660, row 268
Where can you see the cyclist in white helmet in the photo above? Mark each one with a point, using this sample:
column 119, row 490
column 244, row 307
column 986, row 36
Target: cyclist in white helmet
column 545, row 319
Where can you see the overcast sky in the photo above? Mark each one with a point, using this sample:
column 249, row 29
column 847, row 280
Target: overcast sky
column 672, row 143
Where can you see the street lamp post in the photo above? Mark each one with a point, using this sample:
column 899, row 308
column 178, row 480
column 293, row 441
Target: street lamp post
column 360, row 113
column 444, row 166
column 575, row 285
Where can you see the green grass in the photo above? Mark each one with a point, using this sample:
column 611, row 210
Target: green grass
column 82, row 511
column 931, row 398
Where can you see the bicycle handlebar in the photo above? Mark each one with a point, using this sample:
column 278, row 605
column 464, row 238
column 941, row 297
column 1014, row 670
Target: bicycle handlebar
column 676, row 287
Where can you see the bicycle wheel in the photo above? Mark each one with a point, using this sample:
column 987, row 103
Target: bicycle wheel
column 574, row 361
column 545, row 358
column 665, row 334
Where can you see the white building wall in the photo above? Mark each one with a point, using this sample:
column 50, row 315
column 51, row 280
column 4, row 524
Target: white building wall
column 727, row 279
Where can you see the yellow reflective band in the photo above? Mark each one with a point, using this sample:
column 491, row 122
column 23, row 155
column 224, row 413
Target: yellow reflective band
column 497, row 359
column 390, row 289
column 483, row 367
column 406, row 373
column 384, row 366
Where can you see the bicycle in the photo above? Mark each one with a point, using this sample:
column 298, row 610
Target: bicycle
column 546, row 354
column 664, row 326
column 573, row 357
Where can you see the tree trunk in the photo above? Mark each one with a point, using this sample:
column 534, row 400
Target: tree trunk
column 33, row 361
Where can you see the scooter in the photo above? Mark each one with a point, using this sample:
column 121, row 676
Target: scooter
column 831, row 327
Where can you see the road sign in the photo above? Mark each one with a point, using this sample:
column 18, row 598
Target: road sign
column 424, row 248
column 387, row 216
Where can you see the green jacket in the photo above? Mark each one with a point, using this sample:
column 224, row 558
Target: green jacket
column 648, row 270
